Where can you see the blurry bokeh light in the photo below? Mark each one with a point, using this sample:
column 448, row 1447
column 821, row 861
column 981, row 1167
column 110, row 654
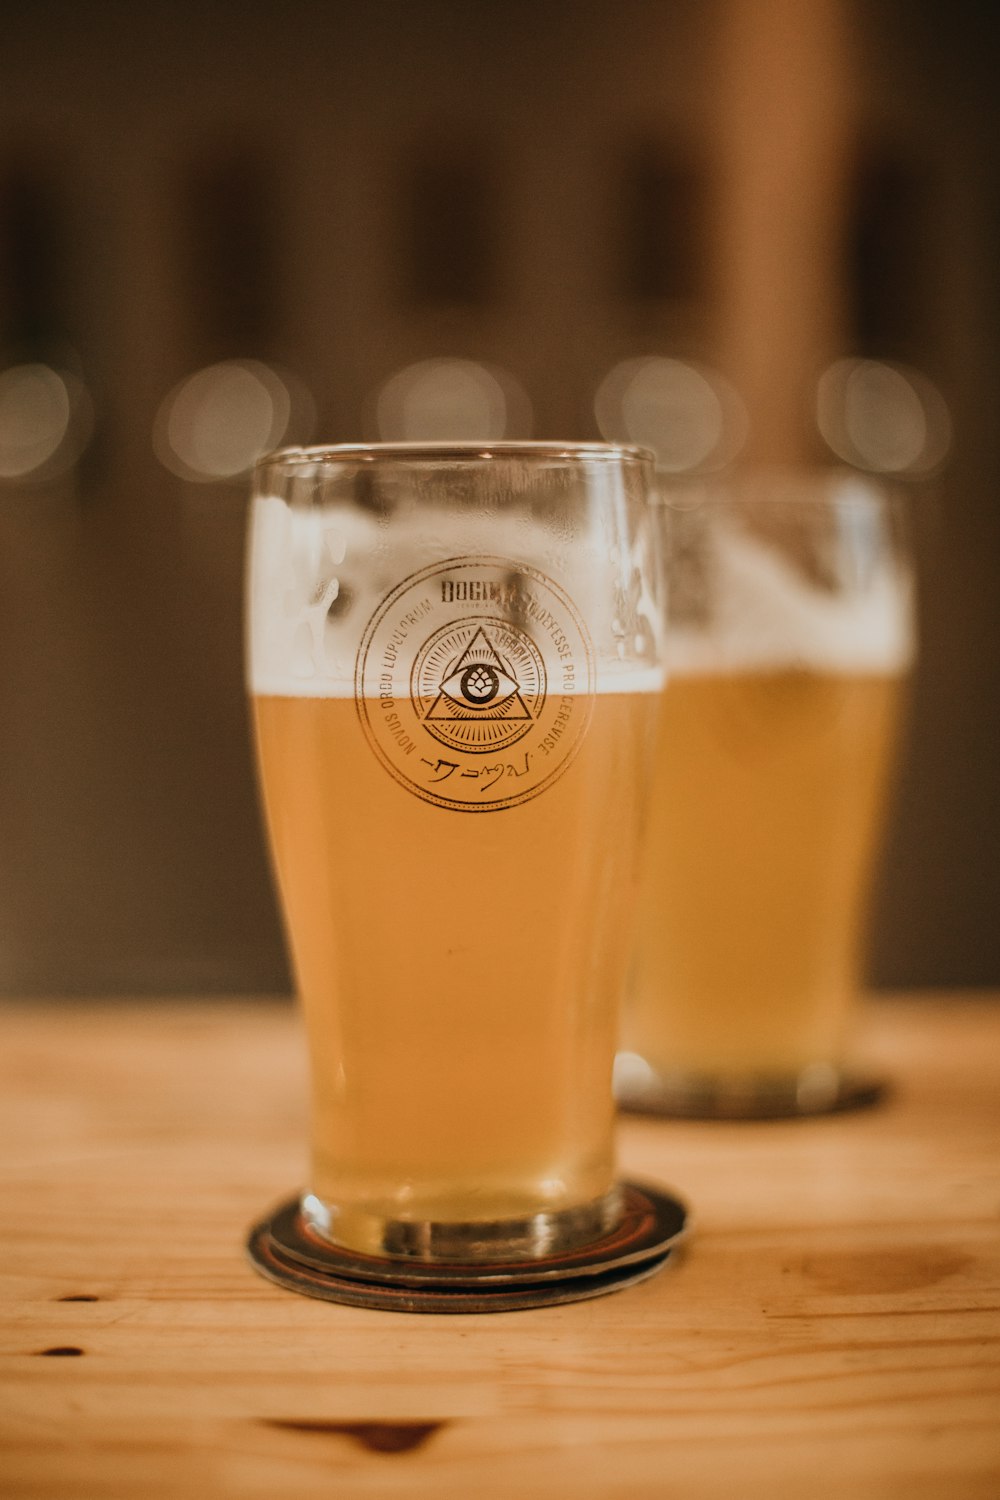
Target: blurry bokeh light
column 885, row 418
column 215, row 424
column 46, row 418
column 451, row 400
column 689, row 415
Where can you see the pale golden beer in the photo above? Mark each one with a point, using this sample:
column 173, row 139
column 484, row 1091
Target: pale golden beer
column 768, row 804
column 789, row 639
column 460, row 1032
column 455, row 673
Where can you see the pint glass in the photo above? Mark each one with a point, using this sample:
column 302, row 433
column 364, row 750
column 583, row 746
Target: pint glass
column 789, row 638
column 454, row 659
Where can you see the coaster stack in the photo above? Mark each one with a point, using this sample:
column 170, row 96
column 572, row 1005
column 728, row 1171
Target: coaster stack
column 283, row 1248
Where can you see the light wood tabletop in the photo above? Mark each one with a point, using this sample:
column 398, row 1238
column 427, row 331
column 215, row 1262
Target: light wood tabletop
column 831, row 1330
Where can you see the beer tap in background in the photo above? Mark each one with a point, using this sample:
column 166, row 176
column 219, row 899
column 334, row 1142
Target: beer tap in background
column 46, row 411
column 235, row 399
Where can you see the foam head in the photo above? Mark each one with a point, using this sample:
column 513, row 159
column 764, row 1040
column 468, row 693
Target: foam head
column 821, row 589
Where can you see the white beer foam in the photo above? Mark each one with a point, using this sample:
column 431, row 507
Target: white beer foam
column 767, row 615
column 304, row 559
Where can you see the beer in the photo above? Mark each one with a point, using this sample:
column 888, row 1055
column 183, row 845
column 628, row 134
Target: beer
column 770, row 787
column 459, row 974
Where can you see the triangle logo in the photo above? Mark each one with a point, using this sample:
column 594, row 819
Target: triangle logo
column 478, row 684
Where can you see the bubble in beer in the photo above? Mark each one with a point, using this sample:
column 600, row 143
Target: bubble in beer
column 451, row 400
column 46, row 418
column 216, row 423
column 885, row 418
column 690, row 417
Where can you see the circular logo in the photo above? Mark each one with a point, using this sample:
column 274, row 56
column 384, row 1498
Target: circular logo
column 474, row 682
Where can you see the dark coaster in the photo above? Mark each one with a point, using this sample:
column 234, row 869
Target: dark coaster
column 759, row 1099
column 283, row 1248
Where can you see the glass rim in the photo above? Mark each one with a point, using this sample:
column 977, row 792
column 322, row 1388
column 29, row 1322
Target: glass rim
column 469, row 453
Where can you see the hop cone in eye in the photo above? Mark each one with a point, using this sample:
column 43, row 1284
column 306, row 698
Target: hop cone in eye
column 479, row 682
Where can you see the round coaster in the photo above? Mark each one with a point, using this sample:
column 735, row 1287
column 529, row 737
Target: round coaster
column 642, row 1092
column 282, row 1248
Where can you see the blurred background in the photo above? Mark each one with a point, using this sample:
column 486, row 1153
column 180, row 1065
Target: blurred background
column 770, row 226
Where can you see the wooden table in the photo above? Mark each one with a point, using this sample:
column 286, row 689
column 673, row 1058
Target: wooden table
column 832, row 1329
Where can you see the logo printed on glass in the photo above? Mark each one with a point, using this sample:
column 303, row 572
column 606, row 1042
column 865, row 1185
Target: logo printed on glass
column 474, row 682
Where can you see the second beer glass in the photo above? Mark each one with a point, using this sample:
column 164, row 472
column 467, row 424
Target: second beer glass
column 790, row 635
column 455, row 668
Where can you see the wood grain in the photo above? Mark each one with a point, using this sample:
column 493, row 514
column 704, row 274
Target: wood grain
column 832, row 1330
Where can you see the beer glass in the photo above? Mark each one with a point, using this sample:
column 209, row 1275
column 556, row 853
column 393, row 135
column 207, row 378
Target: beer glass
column 790, row 636
column 454, row 661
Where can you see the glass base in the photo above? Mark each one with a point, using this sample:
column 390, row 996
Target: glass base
column 530, row 1238
column 818, row 1089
